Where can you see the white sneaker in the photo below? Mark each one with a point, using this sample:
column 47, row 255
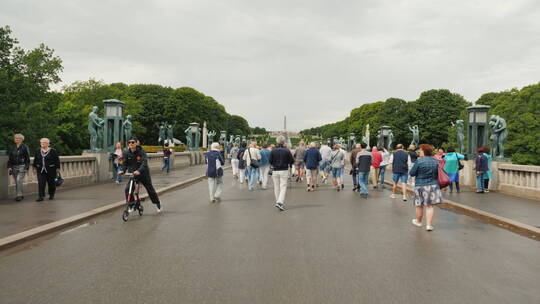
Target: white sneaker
column 429, row 228
column 416, row 223
column 404, row 198
column 159, row 209
column 393, row 196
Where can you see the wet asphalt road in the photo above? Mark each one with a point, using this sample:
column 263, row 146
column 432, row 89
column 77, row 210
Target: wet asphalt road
column 328, row 247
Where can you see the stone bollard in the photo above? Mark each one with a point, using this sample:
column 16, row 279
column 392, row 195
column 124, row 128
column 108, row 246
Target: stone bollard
column 4, row 177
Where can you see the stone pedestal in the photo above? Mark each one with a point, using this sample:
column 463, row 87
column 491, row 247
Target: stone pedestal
column 103, row 164
column 4, row 176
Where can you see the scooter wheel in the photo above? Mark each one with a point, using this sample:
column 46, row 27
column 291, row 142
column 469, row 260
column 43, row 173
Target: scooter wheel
column 125, row 215
column 141, row 209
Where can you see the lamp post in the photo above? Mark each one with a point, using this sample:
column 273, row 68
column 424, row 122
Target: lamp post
column 477, row 128
column 114, row 117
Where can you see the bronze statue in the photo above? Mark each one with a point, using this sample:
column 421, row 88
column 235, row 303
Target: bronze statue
column 459, row 135
column 499, row 132
column 128, row 126
column 416, row 135
column 95, row 128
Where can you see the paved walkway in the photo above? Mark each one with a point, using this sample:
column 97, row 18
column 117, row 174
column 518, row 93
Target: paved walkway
column 16, row 217
column 328, row 247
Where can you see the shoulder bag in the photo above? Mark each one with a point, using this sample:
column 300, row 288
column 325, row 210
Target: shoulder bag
column 253, row 162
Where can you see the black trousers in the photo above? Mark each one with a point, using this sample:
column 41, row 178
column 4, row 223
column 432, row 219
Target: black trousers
column 46, row 179
column 355, row 176
column 146, row 181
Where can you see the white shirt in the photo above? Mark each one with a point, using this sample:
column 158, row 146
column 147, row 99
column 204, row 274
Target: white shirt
column 254, row 152
column 325, row 152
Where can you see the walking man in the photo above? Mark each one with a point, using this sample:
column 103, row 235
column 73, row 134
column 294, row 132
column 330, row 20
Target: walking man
column 376, row 157
column 354, row 167
column 326, row 152
column 280, row 159
column 400, row 161
column 312, row 158
column 363, row 162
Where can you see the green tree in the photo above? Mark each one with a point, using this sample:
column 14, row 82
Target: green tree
column 25, row 79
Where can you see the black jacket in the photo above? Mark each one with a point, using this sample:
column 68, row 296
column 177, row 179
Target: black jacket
column 135, row 161
column 281, row 159
column 52, row 161
column 19, row 156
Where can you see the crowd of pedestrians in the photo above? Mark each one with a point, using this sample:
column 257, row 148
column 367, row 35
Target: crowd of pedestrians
column 415, row 170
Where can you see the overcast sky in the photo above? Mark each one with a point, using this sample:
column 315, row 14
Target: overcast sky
column 312, row 60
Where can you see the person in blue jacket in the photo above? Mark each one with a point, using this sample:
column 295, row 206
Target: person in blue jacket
column 312, row 158
column 481, row 168
column 214, row 172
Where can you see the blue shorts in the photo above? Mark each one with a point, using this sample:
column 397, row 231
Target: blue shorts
column 325, row 166
column 400, row 177
column 336, row 172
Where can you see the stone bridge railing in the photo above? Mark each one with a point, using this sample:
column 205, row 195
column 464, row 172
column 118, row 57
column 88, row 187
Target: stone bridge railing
column 520, row 180
column 91, row 168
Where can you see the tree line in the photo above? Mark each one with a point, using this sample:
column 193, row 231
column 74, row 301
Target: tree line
column 435, row 111
column 30, row 107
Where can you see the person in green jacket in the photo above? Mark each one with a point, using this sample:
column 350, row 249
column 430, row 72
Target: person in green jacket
column 451, row 167
column 488, row 175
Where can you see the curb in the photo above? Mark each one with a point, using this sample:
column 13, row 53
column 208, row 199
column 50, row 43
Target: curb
column 490, row 218
column 21, row 237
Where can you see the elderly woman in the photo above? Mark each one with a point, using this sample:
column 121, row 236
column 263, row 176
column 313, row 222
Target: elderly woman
column 18, row 164
column 426, row 188
column 46, row 163
column 214, row 172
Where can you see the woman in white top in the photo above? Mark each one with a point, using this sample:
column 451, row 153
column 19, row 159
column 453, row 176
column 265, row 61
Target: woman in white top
column 252, row 154
column 385, row 161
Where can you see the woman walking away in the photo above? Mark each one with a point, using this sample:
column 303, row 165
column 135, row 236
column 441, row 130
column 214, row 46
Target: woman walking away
column 481, row 168
column 299, row 164
column 242, row 163
column 18, row 164
column 234, row 160
column 264, row 165
column 252, row 156
column 214, row 172
column 337, row 163
column 385, row 161
column 426, row 188
column 46, row 163
column 488, row 175
column 451, row 167
column 118, row 158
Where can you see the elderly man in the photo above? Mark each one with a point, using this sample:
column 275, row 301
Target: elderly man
column 312, row 158
column 18, row 164
column 280, row 159
column 354, row 167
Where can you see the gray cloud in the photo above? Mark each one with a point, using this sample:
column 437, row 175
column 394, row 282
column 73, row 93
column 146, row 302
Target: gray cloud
column 311, row 60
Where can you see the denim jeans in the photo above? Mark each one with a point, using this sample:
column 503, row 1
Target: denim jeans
column 480, row 182
column 166, row 164
column 363, row 181
column 381, row 174
column 354, row 176
column 253, row 177
column 118, row 177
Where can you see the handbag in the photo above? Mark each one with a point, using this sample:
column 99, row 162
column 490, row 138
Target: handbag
column 442, row 179
column 254, row 163
column 58, row 180
column 459, row 163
